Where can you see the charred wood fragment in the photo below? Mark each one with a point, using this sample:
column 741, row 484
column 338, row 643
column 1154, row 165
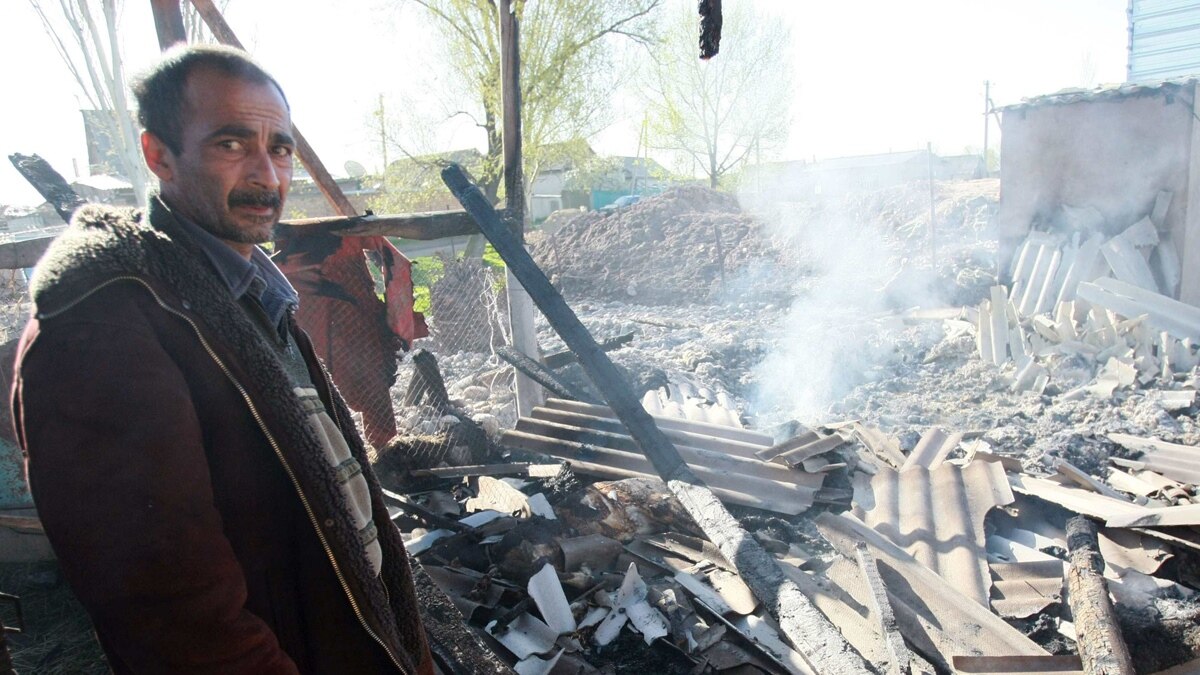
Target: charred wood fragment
column 710, row 28
column 49, row 183
column 1101, row 645
column 541, row 374
column 427, row 383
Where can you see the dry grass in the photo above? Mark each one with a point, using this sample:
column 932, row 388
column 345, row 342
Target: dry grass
column 58, row 635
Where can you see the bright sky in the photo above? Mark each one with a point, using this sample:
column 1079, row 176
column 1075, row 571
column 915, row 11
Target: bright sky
column 871, row 75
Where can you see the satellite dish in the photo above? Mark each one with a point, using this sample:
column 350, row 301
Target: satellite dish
column 355, row 169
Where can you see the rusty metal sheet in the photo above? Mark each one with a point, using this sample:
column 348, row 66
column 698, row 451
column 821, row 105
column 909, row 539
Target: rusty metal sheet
column 937, row 517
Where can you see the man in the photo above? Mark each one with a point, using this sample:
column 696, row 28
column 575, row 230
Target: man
column 198, row 476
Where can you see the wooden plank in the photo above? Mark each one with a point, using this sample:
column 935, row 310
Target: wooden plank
column 17, row 255
column 1101, row 645
column 809, row 631
column 308, row 157
column 418, row 226
column 168, row 22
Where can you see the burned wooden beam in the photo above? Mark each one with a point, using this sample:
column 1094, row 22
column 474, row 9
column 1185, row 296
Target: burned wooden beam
column 49, row 183
column 1101, row 645
column 567, row 357
column 810, row 632
column 417, row 226
column 168, row 23
column 541, row 374
column 427, row 383
column 710, row 28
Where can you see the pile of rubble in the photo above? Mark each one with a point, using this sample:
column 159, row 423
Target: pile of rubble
column 949, row 556
column 686, row 243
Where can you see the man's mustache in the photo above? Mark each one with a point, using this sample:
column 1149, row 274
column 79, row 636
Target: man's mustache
column 254, row 198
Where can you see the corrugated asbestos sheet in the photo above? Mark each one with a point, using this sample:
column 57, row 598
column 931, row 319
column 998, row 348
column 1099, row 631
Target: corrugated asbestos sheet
column 934, row 615
column 1175, row 461
column 937, row 517
column 595, row 443
column 1164, row 39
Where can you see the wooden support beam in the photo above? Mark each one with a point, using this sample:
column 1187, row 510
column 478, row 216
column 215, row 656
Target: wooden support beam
column 806, row 627
column 567, row 357
column 1101, row 645
column 418, row 226
column 308, row 157
column 520, row 307
column 168, row 22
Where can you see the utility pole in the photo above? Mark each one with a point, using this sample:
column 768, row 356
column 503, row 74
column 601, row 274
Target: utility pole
column 383, row 141
column 987, row 110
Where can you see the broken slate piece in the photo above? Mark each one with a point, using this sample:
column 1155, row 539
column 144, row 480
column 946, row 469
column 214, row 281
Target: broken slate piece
column 547, row 594
column 631, row 605
column 525, row 636
column 535, row 666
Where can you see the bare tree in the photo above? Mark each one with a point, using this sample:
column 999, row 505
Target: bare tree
column 91, row 52
column 716, row 113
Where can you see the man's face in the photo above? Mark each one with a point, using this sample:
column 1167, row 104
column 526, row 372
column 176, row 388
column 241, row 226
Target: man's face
column 235, row 162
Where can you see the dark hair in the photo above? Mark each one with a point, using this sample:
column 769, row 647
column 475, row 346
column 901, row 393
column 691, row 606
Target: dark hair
column 160, row 90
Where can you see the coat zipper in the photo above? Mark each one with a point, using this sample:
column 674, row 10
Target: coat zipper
column 270, row 439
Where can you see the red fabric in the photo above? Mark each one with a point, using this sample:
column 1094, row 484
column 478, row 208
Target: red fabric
column 353, row 331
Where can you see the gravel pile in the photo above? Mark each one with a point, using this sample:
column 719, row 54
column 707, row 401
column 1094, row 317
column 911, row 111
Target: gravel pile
column 684, row 246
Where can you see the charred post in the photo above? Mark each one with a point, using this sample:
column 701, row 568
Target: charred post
column 1101, row 645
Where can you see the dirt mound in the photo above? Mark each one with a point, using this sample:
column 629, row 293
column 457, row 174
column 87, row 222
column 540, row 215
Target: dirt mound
column 686, row 245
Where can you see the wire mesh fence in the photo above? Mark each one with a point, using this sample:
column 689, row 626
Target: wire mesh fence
column 451, row 387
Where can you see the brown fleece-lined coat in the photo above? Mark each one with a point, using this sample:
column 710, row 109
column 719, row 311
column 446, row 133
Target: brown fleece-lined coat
column 186, row 497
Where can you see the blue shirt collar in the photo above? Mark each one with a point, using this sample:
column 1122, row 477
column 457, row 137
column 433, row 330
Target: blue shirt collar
column 257, row 276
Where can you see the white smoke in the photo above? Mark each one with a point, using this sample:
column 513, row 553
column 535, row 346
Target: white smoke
column 839, row 330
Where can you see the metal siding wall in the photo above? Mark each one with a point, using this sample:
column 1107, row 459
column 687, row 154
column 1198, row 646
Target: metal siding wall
column 1164, row 39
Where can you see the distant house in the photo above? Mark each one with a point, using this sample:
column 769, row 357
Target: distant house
column 305, row 199
column 799, row 180
column 585, row 179
column 105, row 189
column 417, row 183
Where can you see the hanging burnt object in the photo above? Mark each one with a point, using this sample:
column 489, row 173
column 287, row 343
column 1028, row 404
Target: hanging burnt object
column 710, row 28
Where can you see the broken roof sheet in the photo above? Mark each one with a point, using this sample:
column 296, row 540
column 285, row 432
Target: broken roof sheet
column 1106, row 92
column 1175, row 461
column 937, row 517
